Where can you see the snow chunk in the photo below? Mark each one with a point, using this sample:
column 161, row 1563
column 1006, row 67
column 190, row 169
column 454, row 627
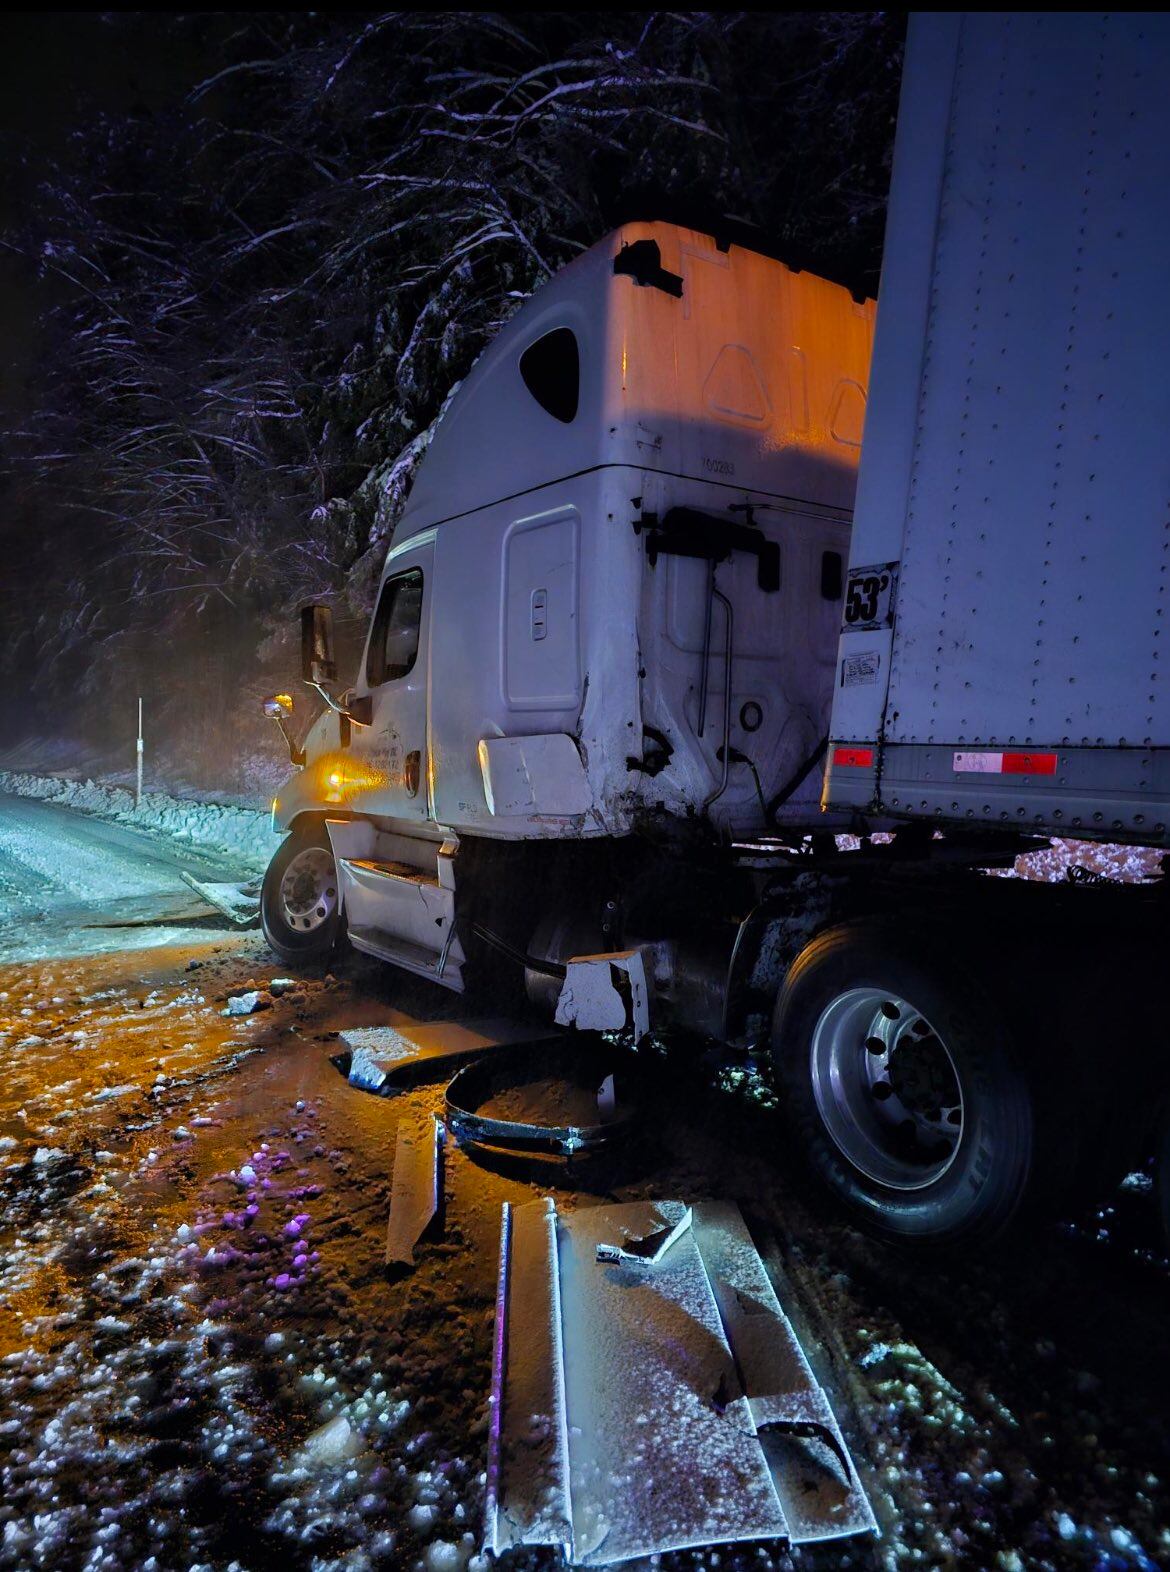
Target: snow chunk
column 443, row 1556
column 243, row 1003
column 335, row 1442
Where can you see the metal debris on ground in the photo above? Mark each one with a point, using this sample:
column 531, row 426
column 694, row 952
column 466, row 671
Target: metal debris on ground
column 667, row 1405
column 671, row 1221
column 414, row 1195
column 366, row 1070
column 528, row 1448
column 379, row 1053
column 160, row 908
column 574, row 1063
column 239, row 903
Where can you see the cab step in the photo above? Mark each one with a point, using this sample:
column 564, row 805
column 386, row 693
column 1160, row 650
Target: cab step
column 398, row 895
column 445, row 969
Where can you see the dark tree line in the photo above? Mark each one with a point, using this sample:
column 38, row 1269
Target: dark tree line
column 255, row 301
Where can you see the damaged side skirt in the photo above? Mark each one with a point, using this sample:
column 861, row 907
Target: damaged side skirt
column 649, row 1394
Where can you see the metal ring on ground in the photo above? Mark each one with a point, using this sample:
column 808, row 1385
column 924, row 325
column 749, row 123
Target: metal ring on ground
column 507, row 1068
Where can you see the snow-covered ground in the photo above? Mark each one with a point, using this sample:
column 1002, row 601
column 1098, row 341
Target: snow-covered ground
column 73, row 882
column 245, row 833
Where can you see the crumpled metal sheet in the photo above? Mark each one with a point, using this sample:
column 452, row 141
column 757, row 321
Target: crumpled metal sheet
column 690, row 1414
column 812, row 1472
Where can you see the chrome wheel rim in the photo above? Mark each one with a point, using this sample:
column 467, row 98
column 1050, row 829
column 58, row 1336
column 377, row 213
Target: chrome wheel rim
column 887, row 1088
column 308, row 890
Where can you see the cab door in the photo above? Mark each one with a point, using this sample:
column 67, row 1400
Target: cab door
column 390, row 755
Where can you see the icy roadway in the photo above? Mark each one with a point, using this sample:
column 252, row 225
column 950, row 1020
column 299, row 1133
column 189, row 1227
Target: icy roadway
column 204, row 1364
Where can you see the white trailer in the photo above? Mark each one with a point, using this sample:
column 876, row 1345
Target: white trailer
column 1000, row 665
column 1009, row 580
column 616, row 619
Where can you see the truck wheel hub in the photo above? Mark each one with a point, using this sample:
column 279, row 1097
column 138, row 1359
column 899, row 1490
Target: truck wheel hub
column 308, row 890
column 886, row 1088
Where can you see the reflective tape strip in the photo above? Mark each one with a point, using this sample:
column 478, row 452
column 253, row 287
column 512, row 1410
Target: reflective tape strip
column 853, row 758
column 1004, row 763
column 1029, row 764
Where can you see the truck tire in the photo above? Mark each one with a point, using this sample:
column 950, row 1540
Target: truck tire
column 900, row 1084
column 299, row 906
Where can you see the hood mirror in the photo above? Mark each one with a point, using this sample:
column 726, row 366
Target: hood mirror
column 279, row 707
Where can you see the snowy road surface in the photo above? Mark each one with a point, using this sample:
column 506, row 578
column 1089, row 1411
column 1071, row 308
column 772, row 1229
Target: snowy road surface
column 71, row 883
column 204, row 1364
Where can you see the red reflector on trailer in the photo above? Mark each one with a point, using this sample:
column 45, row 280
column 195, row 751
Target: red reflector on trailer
column 1004, row 763
column 1029, row 764
column 854, row 758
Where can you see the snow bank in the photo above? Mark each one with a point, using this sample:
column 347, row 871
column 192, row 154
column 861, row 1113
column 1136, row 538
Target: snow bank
column 241, row 832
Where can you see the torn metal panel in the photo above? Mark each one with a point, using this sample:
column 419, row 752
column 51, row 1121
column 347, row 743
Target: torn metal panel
column 380, row 1052
column 158, row 909
column 646, row 1240
column 606, row 993
column 689, row 1412
column 528, row 1466
column 414, row 1195
column 811, row 1468
column 663, row 1453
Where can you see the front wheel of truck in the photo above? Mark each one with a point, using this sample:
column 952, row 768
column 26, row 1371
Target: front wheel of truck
column 300, row 910
column 901, row 1085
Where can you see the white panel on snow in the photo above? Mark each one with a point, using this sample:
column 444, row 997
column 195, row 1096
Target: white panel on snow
column 529, row 1455
column 812, row 1473
column 380, row 1051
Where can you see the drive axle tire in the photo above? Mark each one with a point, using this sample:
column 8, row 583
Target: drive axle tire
column 901, row 1086
column 300, row 911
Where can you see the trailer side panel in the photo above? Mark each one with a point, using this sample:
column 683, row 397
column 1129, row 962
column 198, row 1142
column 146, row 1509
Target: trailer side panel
column 1001, row 654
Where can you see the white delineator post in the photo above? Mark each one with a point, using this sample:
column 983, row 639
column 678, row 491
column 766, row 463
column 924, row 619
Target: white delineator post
column 138, row 777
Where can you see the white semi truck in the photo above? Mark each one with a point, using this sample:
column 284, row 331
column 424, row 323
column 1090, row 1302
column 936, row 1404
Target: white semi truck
column 640, row 683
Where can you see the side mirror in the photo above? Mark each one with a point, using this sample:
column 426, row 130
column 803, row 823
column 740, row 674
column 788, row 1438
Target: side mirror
column 317, row 662
column 279, row 708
